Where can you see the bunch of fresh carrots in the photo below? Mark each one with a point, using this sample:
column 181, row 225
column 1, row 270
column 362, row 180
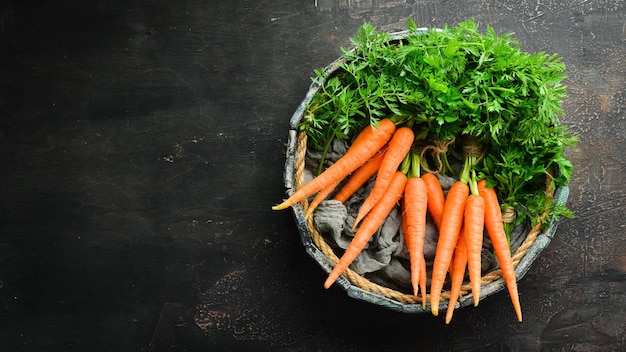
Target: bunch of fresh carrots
column 388, row 151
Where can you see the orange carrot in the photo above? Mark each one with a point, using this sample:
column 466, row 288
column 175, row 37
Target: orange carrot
column 473, row 225
column 360, row 176
column 398, row 148
column 423, row 279
column 319, row 198
column 457, row 273
column 435, row 197
column 410, row 247
column 369, row 142
column 414, row 221
column 495, row 230
column 370, row 225
column 404, row 222
column 451, row 221
column 422, row 265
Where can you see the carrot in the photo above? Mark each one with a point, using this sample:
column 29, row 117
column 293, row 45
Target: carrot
column 410, row 246
column 398, row 148
column 319, row 198
column 370, row 225
column 360, row 176
column 457, row 273
column 403, row 223
column 369, row 141
column 495, row 230
column 451, row 221
column 423, row 279
column 473, row 225
column 415, row 244
column 435, row 197
column 422, row 265
column 414, row 220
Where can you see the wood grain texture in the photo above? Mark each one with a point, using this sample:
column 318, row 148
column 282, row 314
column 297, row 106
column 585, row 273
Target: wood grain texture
column 142, row 145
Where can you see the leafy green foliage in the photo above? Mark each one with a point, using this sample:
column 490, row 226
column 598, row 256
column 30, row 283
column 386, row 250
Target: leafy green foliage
column 520, row 173
column 450, row 83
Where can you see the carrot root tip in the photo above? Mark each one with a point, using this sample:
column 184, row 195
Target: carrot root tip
column 329, row 282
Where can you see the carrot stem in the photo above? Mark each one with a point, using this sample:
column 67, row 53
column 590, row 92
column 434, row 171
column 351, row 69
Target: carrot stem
column 320, row 167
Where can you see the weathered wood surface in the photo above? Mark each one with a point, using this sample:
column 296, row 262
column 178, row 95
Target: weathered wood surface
column 142, row 145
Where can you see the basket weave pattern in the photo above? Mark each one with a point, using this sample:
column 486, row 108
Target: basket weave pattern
column 364, row 283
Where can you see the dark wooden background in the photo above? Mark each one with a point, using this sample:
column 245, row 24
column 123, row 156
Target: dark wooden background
column 142, row 146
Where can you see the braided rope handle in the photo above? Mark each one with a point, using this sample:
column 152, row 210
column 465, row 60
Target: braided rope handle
column 364, row 283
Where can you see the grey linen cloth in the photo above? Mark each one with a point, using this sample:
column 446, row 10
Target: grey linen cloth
column 385, row 259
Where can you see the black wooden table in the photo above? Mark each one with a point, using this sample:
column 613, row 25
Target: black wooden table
column 142, row 146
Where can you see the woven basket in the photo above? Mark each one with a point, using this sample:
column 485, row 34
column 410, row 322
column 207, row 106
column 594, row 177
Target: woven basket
column 358, row 286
